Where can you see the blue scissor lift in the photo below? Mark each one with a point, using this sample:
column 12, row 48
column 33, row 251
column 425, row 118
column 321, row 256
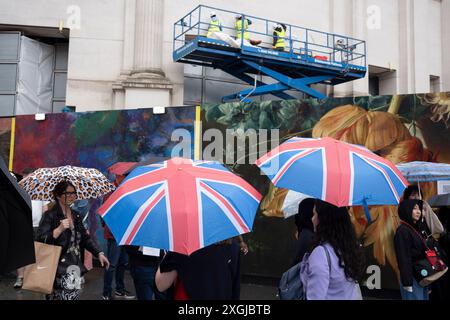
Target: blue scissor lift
column 309, row 57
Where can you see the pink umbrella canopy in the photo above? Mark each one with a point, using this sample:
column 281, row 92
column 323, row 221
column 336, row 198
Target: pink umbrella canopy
column 180, row 205
column 340, row 173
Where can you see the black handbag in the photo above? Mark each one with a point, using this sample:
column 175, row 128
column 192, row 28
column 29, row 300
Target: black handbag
column 430, row 269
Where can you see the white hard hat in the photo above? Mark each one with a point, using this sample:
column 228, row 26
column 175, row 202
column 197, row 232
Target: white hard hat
column 274, row 25
column 238, row 16
column 212, row 13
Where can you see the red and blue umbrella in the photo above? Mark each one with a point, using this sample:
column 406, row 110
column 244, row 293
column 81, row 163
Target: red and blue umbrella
column 120, row 168
column 180, row 205
column 335, row 171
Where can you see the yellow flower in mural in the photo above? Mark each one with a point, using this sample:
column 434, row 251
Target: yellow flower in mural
column 440, row 106
column 272, row 203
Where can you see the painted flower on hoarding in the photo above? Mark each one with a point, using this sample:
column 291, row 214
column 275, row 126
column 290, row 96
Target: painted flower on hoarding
column 439, row 104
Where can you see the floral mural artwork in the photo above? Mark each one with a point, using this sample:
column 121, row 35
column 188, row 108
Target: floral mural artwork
column 95, row 140
column 401, row 128
column 439, row 104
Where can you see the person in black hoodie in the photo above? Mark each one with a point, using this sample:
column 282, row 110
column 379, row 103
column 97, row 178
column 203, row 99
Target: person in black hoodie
column 410, row 248
column 305, row 229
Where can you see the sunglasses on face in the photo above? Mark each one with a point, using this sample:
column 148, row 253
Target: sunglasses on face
column 70, row 193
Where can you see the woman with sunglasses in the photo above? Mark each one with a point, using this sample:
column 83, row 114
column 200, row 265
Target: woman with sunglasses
column 63, row 227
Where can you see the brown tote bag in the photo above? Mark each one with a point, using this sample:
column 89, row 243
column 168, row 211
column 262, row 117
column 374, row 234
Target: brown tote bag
column 40, row 276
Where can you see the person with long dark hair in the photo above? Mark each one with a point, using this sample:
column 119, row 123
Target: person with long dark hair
column 63, row 227
column 410, row 248
column 336, row 263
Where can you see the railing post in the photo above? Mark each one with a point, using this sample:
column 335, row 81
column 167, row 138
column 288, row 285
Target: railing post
column 291, row 43
column 199, row 19
column 242, row 29
column 334, row 49
column 306, row 45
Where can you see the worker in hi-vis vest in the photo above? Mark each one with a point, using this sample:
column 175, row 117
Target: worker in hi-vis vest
column 241, row 27
column 214, row 25
column 279, row 35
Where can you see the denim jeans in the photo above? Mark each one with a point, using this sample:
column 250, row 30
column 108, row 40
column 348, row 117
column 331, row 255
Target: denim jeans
column 118, row 260
column 144, row 283
column 419, row 292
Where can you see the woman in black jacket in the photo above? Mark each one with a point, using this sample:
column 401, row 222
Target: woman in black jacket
column 410, row 248
column 62, row 227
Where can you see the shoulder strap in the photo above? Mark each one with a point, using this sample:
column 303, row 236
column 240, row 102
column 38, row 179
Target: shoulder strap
column 416, row 232
column 328, row 257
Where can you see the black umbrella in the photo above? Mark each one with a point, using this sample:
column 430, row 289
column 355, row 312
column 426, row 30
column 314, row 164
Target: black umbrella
column 16, row 226
column 440, row 200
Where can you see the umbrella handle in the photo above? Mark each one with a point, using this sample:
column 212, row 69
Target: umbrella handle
column 420, row 192
column 366, row 211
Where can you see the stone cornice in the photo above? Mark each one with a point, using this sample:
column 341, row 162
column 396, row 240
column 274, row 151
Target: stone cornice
column 143, row 80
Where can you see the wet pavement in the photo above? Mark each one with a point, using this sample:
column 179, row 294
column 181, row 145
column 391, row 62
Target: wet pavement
column 252, row 288
column 93, row 288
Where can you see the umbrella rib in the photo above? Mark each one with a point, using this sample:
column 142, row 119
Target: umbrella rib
column 388, row 179
column 226, row 207
column 141, row 215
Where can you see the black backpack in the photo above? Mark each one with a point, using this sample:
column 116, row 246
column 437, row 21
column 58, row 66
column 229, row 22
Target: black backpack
column 291, row 285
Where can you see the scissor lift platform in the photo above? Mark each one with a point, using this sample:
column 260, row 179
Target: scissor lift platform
column 332, row 60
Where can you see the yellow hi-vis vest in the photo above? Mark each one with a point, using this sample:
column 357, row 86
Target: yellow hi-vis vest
column 214, row 26
column 238, row 27
column 280, row 38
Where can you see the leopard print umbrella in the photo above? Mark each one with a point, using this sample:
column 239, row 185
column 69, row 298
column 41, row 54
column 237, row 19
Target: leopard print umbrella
column 89, row 183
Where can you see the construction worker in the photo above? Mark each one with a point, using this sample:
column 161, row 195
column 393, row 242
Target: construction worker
column 214, row 25
column 279, row 33
column 243, row 25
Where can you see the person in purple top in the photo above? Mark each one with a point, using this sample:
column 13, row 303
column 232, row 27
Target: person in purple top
column 334, row 266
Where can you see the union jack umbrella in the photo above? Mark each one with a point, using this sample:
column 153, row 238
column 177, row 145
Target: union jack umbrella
column 180, row 205
column 335, row 171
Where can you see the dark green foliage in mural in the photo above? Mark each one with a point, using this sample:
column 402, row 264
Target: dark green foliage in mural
column 264, row 115
column 92, row 126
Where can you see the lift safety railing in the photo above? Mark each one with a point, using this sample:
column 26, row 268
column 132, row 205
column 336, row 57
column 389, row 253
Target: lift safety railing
column 301, row 43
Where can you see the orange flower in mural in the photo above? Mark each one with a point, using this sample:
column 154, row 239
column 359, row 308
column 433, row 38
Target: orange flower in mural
column 375, row 130
column 384, row 134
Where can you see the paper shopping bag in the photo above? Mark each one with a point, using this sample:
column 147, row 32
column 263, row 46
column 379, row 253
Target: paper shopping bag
column 40, row 276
